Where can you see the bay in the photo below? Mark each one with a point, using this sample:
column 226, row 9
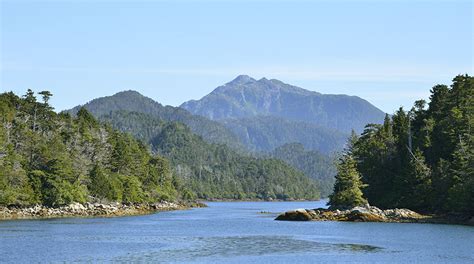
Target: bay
column 231, row 232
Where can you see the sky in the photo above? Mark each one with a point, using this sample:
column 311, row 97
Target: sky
column 388, row 52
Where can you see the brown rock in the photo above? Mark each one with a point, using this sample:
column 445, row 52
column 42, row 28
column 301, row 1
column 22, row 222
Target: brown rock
column 297, row 215
column 358, row 216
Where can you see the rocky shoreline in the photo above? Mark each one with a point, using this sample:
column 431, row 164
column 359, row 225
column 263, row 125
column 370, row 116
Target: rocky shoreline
column 371, row 214
column 92, row 210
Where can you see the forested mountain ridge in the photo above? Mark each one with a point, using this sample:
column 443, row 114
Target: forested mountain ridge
column 133, row 101
column 214, row 170
column 245, row 97
column 56, row 159
column 315, row 165
column 265, row 133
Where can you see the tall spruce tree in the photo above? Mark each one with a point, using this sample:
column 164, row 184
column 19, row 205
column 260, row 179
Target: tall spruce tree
column 348, row 187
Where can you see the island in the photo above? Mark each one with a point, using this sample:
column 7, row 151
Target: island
column 421, row 160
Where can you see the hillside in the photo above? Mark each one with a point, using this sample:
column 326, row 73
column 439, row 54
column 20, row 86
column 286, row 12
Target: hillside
column 245, row 97
column 314, row 164
column 211, row 170
column 265, row 133
column 133, row 101
column 56, row 159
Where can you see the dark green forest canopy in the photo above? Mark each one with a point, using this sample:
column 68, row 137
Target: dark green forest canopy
column 55, row 159
column 315, row 165
column 214, row 170
column 423, row 159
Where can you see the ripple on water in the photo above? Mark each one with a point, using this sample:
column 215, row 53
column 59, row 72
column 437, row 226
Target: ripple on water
column 234, row 246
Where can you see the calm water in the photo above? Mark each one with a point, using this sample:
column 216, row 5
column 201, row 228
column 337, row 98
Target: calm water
column 234, row 232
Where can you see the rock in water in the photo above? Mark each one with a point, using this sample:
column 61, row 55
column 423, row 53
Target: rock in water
column 296, row 215
column 356, row 214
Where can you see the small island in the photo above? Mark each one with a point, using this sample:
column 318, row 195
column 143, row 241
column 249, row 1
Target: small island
column 421, row 160
column 347, row 202
column 356, row 214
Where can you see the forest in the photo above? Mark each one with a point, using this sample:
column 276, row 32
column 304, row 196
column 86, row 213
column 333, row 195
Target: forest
column 215, row 170
column 421, row 159
column 57, row 158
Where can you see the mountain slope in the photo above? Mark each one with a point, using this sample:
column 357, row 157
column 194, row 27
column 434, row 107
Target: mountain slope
column 133, row 101
column 246, row 97
column 314, row 164
column 211, row 170
column 265, row 133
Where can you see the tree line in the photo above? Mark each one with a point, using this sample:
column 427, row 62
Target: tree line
column 58, row 158
column 215, row 171
column 422, row 159
column 55, row 159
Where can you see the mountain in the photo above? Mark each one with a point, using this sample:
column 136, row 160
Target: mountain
column 265, row 133
column 133, row 101
column 213, row 171
column 245, row 97
column 315, row 165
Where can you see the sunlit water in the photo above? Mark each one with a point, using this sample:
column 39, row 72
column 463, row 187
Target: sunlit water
column 231, row 232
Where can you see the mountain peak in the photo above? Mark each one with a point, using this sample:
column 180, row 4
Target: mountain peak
column 128, row 92
column 245, row 97
column 242, row 79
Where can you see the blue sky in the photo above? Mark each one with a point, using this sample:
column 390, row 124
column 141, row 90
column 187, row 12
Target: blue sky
column 388, row 52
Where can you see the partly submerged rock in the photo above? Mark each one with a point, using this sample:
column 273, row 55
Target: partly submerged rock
column 356, row 214
column 296, row 215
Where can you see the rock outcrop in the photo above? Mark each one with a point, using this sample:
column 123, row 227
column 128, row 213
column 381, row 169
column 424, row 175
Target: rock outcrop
column 356, row 214
column 92, row 209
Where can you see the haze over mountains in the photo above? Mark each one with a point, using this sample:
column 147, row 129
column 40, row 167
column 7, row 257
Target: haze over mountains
column 133, row 101
column 303, row 128
column 246, row 97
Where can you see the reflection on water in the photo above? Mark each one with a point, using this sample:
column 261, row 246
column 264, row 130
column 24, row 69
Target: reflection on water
column 226, row 247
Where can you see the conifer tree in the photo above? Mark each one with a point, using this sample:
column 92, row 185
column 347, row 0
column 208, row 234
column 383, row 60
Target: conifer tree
column 348, row 187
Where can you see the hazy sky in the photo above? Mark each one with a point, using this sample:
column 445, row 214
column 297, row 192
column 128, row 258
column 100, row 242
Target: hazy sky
column 388, row 52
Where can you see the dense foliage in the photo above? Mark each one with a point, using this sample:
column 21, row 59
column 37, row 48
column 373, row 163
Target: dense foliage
column 314, row 164
column 213, row 170
column 56, row 159
column 348, row 187
column 423, row 159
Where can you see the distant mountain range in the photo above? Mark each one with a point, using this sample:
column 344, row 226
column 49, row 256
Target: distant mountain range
column 266, row 114
column 132, row 101
column 303, row 128
column 265, row 133
column 245, row 97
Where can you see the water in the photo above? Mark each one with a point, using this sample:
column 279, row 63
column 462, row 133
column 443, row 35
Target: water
column 231, row 232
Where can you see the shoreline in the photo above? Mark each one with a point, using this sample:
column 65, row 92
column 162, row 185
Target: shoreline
column 374, row 214
column 258, row 200
column 92, row 210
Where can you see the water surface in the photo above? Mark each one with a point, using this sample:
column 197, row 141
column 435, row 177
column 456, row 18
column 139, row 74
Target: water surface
column 231, row 232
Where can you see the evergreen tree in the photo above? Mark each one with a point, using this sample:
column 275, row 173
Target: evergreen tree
column 348, row 187
column 423, row 159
